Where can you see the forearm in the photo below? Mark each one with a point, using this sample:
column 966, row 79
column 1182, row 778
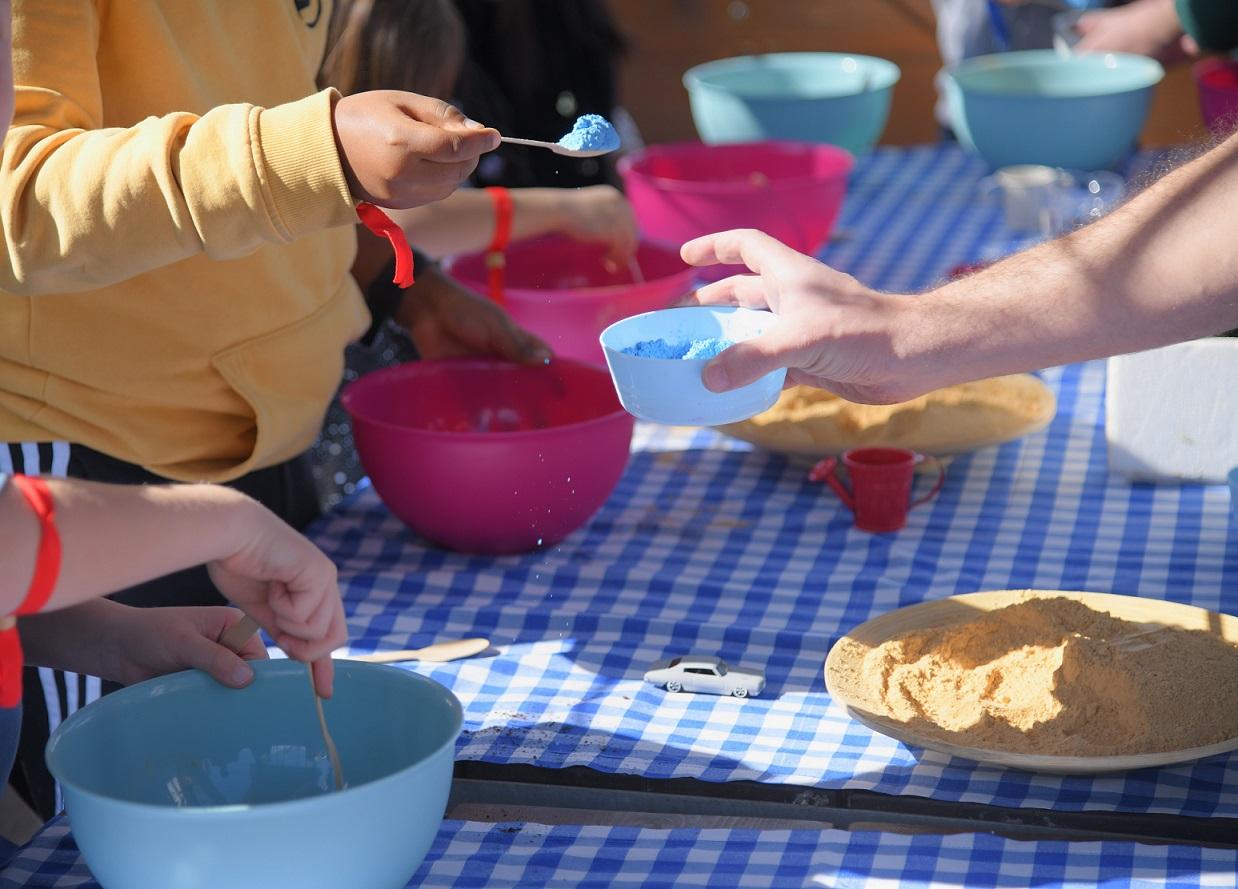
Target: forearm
column 1161, row 269
column 114, row 536
column 464, row 222
column 56, row 639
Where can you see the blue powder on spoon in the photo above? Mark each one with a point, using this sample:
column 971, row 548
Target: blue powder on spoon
column 592, row 132
column 687, row 350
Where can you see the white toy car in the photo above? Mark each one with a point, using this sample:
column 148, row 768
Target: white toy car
column 710, row 675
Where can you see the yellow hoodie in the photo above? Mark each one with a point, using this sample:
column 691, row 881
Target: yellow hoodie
column 179, row 233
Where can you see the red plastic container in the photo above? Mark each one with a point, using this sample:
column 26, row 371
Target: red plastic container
column 488, row 457
column 563, row 290
column 1217, row 82
column 790, row 190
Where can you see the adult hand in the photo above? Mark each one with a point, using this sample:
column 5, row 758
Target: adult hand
column 599, row 213
column 447, row 320
column 401, row 150
column 1145, row 27
column 141, row 643
column 289, row 587
column 832, row 332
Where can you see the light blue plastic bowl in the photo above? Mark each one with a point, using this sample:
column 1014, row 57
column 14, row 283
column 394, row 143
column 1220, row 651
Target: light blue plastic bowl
column 180, row 783
column 669, row 390
column 828, row 97
column 1037, row 107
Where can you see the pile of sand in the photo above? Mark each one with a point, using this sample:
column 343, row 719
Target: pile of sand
column 1052, row 676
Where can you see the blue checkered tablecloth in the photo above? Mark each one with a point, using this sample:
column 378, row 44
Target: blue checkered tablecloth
column 495, row 856
column 708, row 546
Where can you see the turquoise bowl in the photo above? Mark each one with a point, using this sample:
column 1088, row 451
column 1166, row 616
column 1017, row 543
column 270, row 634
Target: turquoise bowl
column 1037, row 107
column 180, row 783
column 827, row 97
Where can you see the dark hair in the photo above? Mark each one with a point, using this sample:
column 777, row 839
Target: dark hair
column 413, row 45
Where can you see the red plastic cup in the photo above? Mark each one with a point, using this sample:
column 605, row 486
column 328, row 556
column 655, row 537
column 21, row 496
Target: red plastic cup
column 881, row 479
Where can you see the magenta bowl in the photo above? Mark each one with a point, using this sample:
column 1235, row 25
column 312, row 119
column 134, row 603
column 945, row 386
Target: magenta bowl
column 564, row 291
column 488, row 457
column 1217, row 82
column 790, row 190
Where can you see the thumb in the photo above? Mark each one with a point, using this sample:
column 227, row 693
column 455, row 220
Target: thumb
column 225, row 666
column 747, row 361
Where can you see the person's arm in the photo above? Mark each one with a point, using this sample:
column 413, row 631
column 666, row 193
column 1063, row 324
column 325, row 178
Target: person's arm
column 443, row 317
column 115, row 536
column 82, row 206
column 1161, row 269
column 464, row 222
column 127, row 645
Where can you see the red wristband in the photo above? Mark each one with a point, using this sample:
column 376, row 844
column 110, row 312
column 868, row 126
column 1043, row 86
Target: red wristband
column 46, row 571
column 47, row 560
column 384, row 226
column 496, row 261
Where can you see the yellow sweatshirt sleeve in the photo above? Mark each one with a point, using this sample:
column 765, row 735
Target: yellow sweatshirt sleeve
column 84, row 206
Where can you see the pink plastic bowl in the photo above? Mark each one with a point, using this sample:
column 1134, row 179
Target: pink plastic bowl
column 790, row 190
column 488, row 457
column 563, row 291
column 1217, row 81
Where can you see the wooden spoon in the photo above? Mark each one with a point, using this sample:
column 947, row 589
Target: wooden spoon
column 438, row 653
column 235, row 638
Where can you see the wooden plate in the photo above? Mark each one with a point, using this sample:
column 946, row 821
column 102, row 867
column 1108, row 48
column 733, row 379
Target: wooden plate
column 847, row 653
column 951, row 421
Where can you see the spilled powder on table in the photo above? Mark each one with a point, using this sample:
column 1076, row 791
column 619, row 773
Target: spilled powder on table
column 1052, row 676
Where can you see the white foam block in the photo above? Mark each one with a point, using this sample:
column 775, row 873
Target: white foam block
column 1171, row 414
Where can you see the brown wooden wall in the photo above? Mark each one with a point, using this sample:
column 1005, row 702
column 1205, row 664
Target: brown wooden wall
column 666, row 37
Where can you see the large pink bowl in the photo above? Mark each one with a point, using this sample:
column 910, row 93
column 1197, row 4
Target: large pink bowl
column 564, row 291
column 488, row 457
column 1217, row 82
column 790, row 190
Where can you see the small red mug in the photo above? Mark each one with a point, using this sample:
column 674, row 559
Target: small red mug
column 881, row 479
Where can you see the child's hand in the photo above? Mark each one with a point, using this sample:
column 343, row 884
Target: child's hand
column 142, row 643
column 402, row 150
column 289, row 587
column 600, row 213
column 447, row 320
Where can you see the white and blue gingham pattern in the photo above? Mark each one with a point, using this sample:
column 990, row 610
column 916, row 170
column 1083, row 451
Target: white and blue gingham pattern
column 496, row 856
column 708, row 546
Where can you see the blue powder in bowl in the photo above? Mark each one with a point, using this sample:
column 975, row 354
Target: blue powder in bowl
column 592, row 132
column 687, row 350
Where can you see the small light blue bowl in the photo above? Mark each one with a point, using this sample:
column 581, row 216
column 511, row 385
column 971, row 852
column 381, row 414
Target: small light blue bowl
column 836, row 98
column 180, row 783
column 669, row 390
column 1037, row 107
column 1232, row 478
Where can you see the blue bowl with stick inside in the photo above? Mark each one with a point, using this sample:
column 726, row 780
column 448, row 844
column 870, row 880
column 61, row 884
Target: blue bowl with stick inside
column 656, row 360
column 181, row 783
column 1037, row 107
column 837, row 98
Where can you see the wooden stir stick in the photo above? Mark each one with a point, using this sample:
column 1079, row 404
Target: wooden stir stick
column 235, row 638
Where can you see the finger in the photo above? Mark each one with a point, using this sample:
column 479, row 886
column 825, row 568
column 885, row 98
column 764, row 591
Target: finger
column 748, row 246
column 224, row 665
column 324, row 677
column 514, row 343
column 304, row 650
column 455, row 136
column 748, row 361
column 315, row 627
column 737, row 290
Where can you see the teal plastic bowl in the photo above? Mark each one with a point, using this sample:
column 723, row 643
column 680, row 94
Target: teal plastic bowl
column 180, row 783
column 1037, row 107
column 827, row 97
